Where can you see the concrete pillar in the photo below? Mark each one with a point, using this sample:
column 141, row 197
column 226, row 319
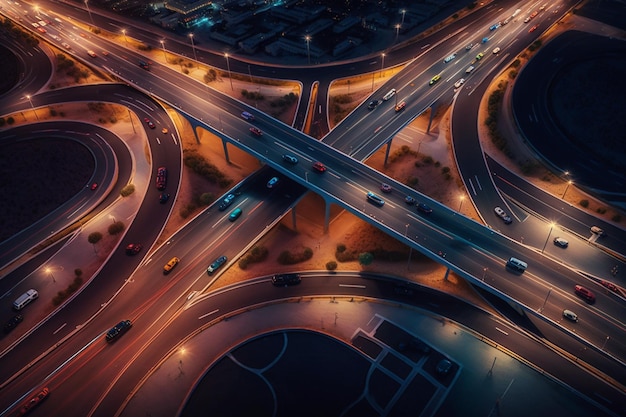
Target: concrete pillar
column 225, row 146
column 432, row 116
column 387, row 152
column 326, row 216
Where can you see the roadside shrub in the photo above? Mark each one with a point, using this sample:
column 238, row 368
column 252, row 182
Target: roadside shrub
column 366, row 258
column 289, row 258
column 584, row 203
column 601, row 210
column 616, row 218
column 116, row 228
column 127, row 190
column 331, row 265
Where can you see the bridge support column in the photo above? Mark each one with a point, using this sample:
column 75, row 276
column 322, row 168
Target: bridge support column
column 432, row 116
column 326, row 216
column 195, row 133
column 387, row 152
column 224, row 145
column 445, row 277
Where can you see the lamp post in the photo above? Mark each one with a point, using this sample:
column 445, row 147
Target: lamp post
column 307, row 38
column 89, row 12
column 49, row 271
column 125, row 40
column 548, row 238
column 193, row 47
column 545, row 301
column 397, row 30
column 566, row 187
column 382, row 64
column 164, row 53
column 484, row 273
column 461, row 197
column 229, row 74
column 403, row 11
column 33, row 107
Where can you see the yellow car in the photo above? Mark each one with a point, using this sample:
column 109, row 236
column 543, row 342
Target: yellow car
column 479, row 56
column 170, row 265
column 435, row 79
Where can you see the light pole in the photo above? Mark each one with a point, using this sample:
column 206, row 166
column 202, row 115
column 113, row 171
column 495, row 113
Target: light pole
column 566, row 187
column 545, row 301
column 125, row 40
column 193, row 47
column 461, row 197
column 164, row 53
column 89, row 12
column 484, row 273
column 33, row 107
column 49, row 271
column 229, row 74
column 307, row 38
column 382, row 64
column 548, row 238
column 397, row 31
column 403, row 11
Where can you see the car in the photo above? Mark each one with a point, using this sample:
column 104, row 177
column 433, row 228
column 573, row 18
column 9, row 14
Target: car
column 216, row 264
column 35, row 25
column 459, row 83
column 504, row 22
column 94, row 186
column 256, row 131
column 485, row 40
column 167, row 268
column 133, row 248
column 470, row 69
column 163, row 198
column 284, row 280
column 449, row 58
column 434, row 79
column 83, row 35
column 479, row 56
column 161, row 178
column 146, row 120
column 597, row 231
column 227, row 201
column 610, row 286
column 532, row 29
column 533, row 14
column 559, row 241
column 503, row 215
column 34, row 401
column 373, row 104
column 151, row 125
column 585, row 294
column 400, row 106
column 290, row 159
column 272, row 182
column 105, row 53
column 144, row 65
column 66, row 45
column 234, row 215
column 373, row 198
column 570, row 315
column 496, row 50
column 91, row 53
column 389, row 94
column 494, row 27
column 42, row 30
column 247, row 116
column 421, row 207
column 543, row 7
column 118, row 330
column 385, row 188
column 164, row 131
column 443, row 367
column 12, row 323
column 470, row 46
column 409, row 200
column 319, row 167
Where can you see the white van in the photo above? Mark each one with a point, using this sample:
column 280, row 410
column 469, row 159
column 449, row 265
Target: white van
column 516, row 264
column 23, row 300
column 390, row 94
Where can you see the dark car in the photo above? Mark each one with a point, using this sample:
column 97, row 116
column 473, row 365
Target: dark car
column 216, row 264
column 443, row 367
column 13, row 322
column 272, row 182
column 161, row 178
column 385, row 188
column 423, row 208
column 234, row 215
column 133, row 248
column 409, row 200
column 163, row 197
column 118, row 330
column 34, row 401
column 319, row 167
column 256, row 131
column 227, row 201
column 94, row 186
column 373, row 104
column 290, row 159
column 283, row 280
column 585, row 294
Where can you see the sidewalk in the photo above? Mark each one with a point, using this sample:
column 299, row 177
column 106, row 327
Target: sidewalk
column 489, row 380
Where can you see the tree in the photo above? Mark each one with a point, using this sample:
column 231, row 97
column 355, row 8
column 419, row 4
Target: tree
column 366, row 258
column 94, row 238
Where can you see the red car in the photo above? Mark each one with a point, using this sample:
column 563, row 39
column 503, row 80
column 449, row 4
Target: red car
column 385, row 188
column 133, row 248
column 94, row 186
column 256, row 131
column 532, row 29
column 319, row 167
column 610, row 286
column 34, row 401
column 585, row 294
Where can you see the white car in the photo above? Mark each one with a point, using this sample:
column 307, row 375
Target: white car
column 449, row 58
column 502, row 214
column 559, row 241
column 496, row 50
column 469, row 69
column 459, row 83
column 570, row 315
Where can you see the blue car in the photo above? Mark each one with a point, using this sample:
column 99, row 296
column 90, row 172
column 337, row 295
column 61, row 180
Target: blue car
column 485, row 39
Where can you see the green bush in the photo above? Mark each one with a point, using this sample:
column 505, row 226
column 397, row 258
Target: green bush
column 331, row 265
column 341, row 247
column 366, row 258
column 289, row 258
column 116, row 228
column 255, row 255
column 601, row 210
column 584, row 203
column 204, row 168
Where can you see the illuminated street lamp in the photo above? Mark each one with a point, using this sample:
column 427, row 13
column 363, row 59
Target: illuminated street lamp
column 89, row 11
column 49, row 271
column 548, row 238
column 461, row 197
column 164, row 53
column 193, row 47
column 403, row 11
column 397, row 31
column 125, row 40
column 31, row 105
column 307, row 38
column 566, row 187
column 229, row 74
column 382, row 65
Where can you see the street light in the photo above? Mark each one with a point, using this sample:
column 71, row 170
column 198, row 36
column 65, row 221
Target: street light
column 229, row 74
column 31, row 105
column 566, row 187
column 164, row 53
column 461, row 197
column 382, row 64
column 49, row 271
column 545, row 301
column 548, row 238
column 397, row 31
column 89, row 11
column 403, row 11
column 193, row 47
column 125, row 40
column 307, row 38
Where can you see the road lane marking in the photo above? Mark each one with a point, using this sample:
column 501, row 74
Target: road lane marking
column 208, row 314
